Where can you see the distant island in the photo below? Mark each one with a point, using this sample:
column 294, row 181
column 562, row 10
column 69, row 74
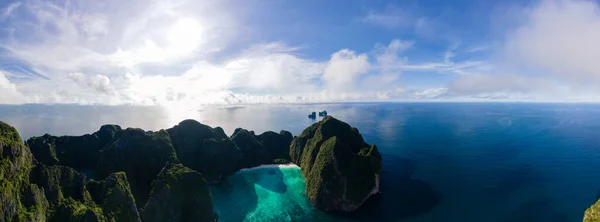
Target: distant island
column 130, row 174
column 313, row 115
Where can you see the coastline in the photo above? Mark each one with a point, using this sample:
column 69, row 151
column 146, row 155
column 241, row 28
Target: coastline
column 264, row 166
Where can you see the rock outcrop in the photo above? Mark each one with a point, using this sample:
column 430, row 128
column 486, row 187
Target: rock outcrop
column 130, row 174
column 277, row 146
column 64, row 189
column 592, row 214
column 205, row 149
column 253, row 152
column 114, row 196
column 79, row 152
column 341, row 170
column 141, row 155
column 15, row 165
column 179, row 194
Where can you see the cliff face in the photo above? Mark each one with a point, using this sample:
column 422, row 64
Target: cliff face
column 216, row 156
column 36, row 192
column 47, row 190
column 141, row 155
column 163, row 175
column 79, row 152
column 114, row 196
column 179, row 194
column 15, row 165
column 341, row 170
column 205, row 149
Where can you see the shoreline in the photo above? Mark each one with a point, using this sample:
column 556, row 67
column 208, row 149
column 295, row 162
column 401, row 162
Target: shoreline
column 265, row 166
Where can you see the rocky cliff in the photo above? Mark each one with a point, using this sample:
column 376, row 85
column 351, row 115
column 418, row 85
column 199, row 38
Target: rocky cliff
column 341, row 170
column 130, row 174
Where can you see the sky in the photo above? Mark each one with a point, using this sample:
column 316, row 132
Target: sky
column 151, row 52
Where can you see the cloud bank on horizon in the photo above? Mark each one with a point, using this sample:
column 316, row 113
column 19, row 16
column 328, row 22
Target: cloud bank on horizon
column 230, row 52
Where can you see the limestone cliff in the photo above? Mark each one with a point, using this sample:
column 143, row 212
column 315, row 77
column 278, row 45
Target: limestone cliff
column 341, row 170
column 179, row 194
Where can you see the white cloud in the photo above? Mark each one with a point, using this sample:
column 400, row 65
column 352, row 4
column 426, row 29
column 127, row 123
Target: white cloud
column 447, row 65
column 559, row 37
column 342, row 70
column 387, row 67
column 485, row 83
column 8, row 10
column 99, row 83
column 8, row 91
column 93, row 52
column 391, row 17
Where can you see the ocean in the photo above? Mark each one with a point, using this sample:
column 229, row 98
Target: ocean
column 441, row 161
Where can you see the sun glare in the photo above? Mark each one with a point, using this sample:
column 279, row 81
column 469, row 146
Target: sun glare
column 184, row 36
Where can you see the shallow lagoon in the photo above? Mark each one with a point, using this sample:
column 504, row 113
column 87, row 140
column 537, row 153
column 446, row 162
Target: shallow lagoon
column 266, row 193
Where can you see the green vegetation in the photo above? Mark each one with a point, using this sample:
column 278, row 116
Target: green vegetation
column 111, row 174
column 253, row 152
column 592, row 214
column 277, row 145
column 115, row 198
column 141, row 155
column 341, row 169
column 15, row 164
column 205, row 149
column 179, row 194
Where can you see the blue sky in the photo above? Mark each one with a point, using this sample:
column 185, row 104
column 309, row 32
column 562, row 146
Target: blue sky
column 279, row 51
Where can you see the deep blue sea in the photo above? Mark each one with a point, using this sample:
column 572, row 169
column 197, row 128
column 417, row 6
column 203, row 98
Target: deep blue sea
column 441, row 161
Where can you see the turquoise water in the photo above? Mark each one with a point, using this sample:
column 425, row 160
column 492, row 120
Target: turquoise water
column 467, row 162
column 271, row 193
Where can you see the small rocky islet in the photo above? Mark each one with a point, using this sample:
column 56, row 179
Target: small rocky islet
column 130, row 174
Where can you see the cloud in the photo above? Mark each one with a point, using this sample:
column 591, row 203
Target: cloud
column 548, row 55
column 387, row 66
column 343, row 68
column 198, row 52
column 560, row 38
column 8, row 10
column 391, row 17
column 485, row 83
column 447, row 65
column 99, row 83
column 8, row 91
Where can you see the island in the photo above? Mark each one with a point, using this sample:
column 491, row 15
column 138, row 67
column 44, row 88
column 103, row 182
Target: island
column 592, row 214
column 313, row 115
column 118, row 174
column 323, row 113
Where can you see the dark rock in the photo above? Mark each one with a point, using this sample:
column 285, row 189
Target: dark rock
column 60, row 182
column 277, row 145
column 141, row 155
column 107, row 134
column 179, row 194
column 219, row 158
column 323, row 113
column 79, row 152
column 253, row 152
column 64, row 190
column 341, row 170
column 205, row 149
column 115, row 198
column 313, row 115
